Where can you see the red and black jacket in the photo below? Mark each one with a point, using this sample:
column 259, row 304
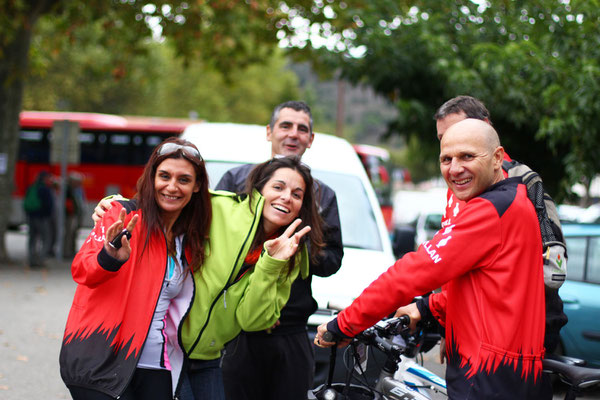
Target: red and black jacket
column 113, row 306
column 493, row 304
column 555, row 316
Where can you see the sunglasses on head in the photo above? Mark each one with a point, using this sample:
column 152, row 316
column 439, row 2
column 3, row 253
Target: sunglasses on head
column 187, row 150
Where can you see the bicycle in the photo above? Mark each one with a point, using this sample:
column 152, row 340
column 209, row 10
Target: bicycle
column 397, row 382
column 400, row 378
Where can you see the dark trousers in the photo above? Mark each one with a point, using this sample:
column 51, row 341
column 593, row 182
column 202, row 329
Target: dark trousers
column 268, row 367
column 39, row 241
column 202, row 380
column 147, row 384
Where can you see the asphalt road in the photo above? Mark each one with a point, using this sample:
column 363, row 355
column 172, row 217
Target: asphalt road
column 33, row 309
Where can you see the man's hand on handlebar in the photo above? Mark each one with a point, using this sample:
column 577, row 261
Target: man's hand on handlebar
column 321, row 338
column 413, row 312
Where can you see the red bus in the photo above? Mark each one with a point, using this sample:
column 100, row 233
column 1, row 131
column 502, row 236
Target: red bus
column 113, row 150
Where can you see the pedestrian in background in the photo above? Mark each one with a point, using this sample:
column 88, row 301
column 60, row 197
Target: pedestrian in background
column 74, row 205
column 39, row 208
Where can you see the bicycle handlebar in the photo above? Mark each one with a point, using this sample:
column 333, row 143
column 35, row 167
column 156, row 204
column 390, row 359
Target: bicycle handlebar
column 329, row 337
column 385, row 329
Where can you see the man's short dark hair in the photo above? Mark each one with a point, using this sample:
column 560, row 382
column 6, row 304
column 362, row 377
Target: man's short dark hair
column 294, row 105
column 472, row 107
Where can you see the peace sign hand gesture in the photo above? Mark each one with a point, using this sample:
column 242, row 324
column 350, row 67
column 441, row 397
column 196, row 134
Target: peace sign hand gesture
column 286, row 245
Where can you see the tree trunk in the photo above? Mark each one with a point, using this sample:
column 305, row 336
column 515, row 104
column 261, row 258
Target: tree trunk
column 12, row 77
column 14, row 57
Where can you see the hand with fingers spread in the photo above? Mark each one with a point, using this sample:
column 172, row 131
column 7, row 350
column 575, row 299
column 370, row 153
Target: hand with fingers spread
column 286, row 245
column 121, row 254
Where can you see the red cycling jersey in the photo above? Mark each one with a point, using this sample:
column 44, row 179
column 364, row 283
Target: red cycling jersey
column 493, row 305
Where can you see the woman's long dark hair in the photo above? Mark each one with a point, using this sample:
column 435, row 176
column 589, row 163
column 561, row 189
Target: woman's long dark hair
column 195, row 218
column 309, row 213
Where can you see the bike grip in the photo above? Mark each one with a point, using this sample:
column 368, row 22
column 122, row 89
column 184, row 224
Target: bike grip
column 329, row 337
column 404, row 320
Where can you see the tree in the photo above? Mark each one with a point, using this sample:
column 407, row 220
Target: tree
column 535, row 64
column 228, row 33
column 16, row 24
column 81, row 77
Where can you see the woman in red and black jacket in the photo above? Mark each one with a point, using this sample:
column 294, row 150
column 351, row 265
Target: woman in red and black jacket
column 128, row 297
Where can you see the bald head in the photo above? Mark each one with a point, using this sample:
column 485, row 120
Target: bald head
column 476, row 129
column 471, row 158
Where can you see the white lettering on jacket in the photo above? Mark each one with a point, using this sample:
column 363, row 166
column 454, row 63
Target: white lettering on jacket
column 435, row 257
column 456, row 209
column 448, row 229
column 96, row 237
column 443, row 242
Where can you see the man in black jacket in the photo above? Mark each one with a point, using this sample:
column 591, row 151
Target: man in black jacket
column 278, row 363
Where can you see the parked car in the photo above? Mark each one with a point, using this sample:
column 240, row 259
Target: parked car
column 580, row 293
column 367, row 247
column 417, row 217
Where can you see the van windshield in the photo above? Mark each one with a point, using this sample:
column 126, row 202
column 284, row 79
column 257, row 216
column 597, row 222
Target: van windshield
column 359, row 228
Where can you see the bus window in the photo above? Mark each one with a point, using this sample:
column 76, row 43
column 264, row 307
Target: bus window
column 34, row 146
column 90, row 150
column 118, row 149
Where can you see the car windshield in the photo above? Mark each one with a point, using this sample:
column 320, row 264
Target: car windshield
column 359, row 228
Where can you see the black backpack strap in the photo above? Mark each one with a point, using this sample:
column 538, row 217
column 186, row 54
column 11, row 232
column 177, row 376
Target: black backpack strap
column 508, row 165
column 543, row 203
column 535, row 192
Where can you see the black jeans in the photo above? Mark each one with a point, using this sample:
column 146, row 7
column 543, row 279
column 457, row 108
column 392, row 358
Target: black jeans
column 147, row 384
column 203, row 380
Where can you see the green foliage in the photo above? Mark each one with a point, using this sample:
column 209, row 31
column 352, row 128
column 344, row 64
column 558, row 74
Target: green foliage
column 228, row 34
column 246, row 96
column 86, row 77
column 535, row 64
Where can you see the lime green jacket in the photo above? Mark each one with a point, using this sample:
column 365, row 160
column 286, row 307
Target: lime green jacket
column 224, row 304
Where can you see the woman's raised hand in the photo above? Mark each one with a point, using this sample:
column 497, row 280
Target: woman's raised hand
column 286, row 245
column 122, row 253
